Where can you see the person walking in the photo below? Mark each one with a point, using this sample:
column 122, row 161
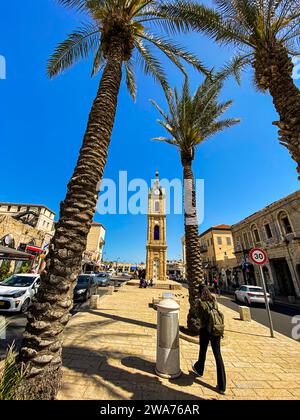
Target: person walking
column 211, row 330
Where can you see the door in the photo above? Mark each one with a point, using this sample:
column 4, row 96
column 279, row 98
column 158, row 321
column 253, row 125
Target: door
column 284, row 277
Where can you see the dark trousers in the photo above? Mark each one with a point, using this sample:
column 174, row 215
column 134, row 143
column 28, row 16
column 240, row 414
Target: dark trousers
column 205, row 338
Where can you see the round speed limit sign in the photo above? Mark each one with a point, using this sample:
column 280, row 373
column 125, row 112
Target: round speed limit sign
column 258, row 256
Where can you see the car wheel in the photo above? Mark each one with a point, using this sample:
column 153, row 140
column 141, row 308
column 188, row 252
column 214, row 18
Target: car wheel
column 25, row 306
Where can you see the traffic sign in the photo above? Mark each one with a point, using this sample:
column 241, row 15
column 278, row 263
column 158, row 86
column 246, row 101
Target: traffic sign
column 258, row 256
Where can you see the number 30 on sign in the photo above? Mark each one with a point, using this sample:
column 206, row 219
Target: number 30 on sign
column 258, row 256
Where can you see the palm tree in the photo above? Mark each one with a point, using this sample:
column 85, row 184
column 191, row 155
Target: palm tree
column 190, row 121
column 266, row 33
column 117, row 36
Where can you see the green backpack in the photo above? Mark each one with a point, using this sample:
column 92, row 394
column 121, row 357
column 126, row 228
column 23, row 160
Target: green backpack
column 216, row 325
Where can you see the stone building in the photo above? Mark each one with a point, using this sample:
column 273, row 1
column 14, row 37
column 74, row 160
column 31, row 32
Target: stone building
column 15, row 234
column 175, row 268
column 156, row 260
column 217, row 252
column 34, row 215
column 95, row 243
column 276, row 228
column 30, row 228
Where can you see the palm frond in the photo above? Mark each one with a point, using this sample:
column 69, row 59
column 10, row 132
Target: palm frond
column 10, row 376
column 175, row 50
column 194, row 118
column 151, row 65
column 78, row 45
column 130, row 80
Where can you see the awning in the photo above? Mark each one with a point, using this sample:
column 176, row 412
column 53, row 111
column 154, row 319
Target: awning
column 34, row 249
column 12, row 254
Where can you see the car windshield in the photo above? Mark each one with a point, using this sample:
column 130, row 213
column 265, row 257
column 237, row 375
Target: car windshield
column 18, row 281
column 101, row 275
column 83, row 280
column 255, row 289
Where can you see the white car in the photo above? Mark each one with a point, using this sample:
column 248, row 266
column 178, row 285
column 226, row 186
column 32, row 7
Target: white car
column 17, row 291
column 251, row 294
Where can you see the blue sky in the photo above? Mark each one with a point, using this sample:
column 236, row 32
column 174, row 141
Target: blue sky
column 43, row 122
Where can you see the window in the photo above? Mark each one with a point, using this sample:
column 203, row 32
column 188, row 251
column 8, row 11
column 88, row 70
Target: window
column 255, row 233
column 246, row 242
column 268, row 231
column 228, row 241
column 219, row 239
column 286, row 225
column 156, row 206
column 156, row 233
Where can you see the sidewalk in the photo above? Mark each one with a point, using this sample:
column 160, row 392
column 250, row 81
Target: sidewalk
column 110, row 354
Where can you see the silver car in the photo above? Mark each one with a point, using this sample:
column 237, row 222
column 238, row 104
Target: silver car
column 102, row 278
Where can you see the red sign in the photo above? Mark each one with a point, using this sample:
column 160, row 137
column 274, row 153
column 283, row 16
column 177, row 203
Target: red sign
column 258, row 256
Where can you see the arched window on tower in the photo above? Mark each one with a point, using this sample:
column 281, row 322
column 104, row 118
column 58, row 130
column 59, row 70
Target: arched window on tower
column 156, row 206
column 156, row 233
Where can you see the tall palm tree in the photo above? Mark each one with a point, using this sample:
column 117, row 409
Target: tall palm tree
column 191, row 120
column 267, row 33
column 116, row 34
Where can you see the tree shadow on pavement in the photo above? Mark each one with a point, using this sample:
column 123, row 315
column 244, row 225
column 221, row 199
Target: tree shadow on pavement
column 122, row 319
column 108, row 380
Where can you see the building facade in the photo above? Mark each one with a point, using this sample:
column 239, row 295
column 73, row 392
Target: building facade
column 37, row 216
column 156, row 248
column 175, row 268
column 217, row 252
column 95, row 243
column 30, row 228
column 276, row 228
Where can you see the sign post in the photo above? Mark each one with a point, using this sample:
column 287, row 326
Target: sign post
column 259, row 257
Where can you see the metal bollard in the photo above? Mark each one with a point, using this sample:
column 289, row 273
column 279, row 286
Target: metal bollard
column 167, row 355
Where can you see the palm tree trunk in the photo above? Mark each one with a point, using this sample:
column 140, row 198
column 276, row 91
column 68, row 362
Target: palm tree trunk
column 41, row 349
column 192, row 242
column 274, row 71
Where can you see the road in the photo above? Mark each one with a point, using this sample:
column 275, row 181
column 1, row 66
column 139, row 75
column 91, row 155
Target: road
column 16, row 322
column 281, row 315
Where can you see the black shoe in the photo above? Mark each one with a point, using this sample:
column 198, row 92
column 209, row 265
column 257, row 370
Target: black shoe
column 196, row 371
column 220, row 391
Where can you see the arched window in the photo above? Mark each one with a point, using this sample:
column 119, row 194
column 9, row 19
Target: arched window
column 156, row 206
column 284, row 222
column 255, row 234
column 156, row 233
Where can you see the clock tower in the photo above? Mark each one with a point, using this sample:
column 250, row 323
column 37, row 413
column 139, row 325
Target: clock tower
column 156, row 261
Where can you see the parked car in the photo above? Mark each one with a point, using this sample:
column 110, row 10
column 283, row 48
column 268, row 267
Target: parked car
column 17, row 291
column 127, row 275
column 102, row 278
column 111, row 272
column 86, row 287
column 251, row 294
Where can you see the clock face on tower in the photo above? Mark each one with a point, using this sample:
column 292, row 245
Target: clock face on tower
column 156, row 191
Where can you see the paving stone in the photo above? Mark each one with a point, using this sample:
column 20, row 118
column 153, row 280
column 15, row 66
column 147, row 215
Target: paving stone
column 110, row 354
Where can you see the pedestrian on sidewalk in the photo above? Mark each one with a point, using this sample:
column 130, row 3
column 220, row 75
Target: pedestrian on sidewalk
column 216, row 286
column 211, row 330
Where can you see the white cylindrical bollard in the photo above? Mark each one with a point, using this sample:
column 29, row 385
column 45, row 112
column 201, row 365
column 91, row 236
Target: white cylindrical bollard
column 167, row 355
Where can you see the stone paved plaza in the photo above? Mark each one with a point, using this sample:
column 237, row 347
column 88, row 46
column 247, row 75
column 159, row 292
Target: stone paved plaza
column 109, row 353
